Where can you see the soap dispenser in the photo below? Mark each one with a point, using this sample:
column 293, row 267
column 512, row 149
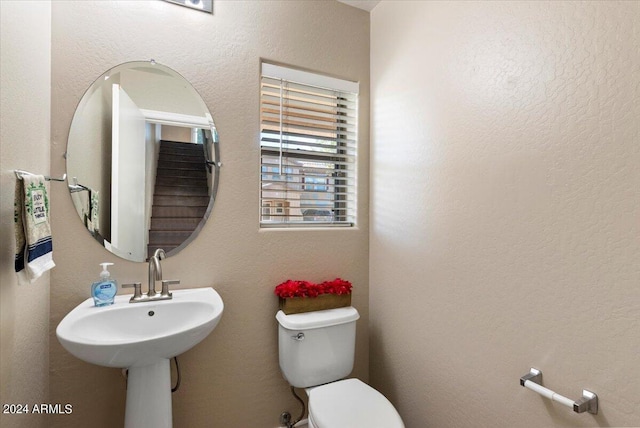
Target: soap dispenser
column 104, row 290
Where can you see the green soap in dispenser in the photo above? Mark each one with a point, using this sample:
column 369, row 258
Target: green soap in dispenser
column 104, row 290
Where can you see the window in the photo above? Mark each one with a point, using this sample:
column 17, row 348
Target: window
column 308, row 141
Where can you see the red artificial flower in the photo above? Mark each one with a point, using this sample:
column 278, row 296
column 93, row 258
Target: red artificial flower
column 291, row 288
column 338, row 286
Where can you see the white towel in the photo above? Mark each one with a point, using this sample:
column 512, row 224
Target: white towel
column 95, row 211
column 34, row 249
column 81, row 203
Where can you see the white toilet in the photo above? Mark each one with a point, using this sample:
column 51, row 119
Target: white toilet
column 317, row 350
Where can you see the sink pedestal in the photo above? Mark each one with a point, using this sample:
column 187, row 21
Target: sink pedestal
column 149, row 396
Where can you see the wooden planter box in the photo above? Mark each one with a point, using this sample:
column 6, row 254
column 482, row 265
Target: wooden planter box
column 296, row 305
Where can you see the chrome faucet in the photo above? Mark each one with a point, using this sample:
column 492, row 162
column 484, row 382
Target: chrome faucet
column 155, row 271
column 155, row 274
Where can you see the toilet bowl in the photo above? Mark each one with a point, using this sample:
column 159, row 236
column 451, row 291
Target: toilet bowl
column 350, row 403
column 316, row 352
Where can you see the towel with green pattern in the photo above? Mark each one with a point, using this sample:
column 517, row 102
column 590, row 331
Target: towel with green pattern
column 34, row 248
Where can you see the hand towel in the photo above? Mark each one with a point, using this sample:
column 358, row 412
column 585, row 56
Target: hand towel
column 34, row 248
column 81, row 203
column 95, row 211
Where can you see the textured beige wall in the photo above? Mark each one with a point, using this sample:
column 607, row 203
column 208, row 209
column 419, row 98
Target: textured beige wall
column 232, row 378
column 504, row 210
column 25, row 85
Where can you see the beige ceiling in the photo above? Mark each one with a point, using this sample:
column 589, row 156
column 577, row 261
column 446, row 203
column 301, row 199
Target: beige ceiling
column 367, row 5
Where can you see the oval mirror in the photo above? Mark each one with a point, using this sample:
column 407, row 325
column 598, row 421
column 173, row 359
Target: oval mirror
column 142, row 160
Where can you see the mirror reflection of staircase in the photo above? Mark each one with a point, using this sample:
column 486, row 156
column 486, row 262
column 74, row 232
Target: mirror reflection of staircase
column 181, row 195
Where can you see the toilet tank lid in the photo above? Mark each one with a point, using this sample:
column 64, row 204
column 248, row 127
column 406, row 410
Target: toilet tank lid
column 317, row 319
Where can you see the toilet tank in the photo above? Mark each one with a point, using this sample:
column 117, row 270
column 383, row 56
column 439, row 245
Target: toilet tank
column 317, row 347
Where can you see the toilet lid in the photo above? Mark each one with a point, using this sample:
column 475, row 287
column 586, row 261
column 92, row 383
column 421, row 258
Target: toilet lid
column 351, row 403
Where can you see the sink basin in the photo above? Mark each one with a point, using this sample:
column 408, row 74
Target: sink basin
column 138, row 334
column 142, row 337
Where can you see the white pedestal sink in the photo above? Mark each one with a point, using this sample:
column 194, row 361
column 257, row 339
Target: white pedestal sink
column 142, row 337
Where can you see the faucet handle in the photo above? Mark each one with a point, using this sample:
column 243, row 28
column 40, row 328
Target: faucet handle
column 165, row 286
column 137, row 290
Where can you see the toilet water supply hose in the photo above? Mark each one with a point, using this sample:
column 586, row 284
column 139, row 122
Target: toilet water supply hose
column 125, row 373
column 285, row 418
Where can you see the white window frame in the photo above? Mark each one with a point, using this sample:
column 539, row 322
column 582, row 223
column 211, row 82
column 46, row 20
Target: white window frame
column 308, row 128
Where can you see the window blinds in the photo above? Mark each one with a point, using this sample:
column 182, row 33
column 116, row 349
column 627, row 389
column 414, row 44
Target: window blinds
column 308, row 142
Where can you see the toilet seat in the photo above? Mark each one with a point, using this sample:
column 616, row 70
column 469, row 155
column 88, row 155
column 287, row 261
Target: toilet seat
column 351, row 403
